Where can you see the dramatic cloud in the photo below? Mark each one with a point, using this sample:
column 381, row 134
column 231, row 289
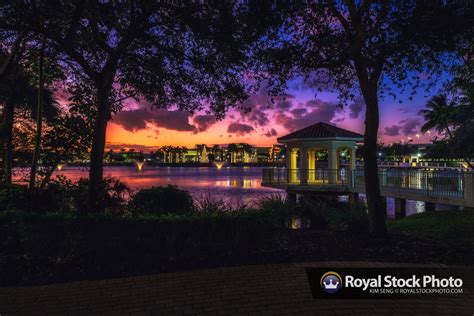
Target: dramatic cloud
column 203, row 122
column 239, row 129
column 405, row 127
column 135, row 120
column 137, row 147
column 410, row 125
column 393, row 130
column 257, row 108
column 356, row 108
column 271, row 133
column 315, row 111
column 297, row 113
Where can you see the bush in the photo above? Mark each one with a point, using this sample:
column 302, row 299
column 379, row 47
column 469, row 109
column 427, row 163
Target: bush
column 161, row 200
column 281, row 209
column 62, row 195
column 113, row 193
column 14, row 197
column 45, row 248
column 207, row 204
column 347, row 217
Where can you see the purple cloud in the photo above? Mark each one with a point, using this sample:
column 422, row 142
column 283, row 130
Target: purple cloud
column 356, row 107
column 203, row 122
column 393, row 130
column 298, row 112
column 138, row 119
column 320, row 112
column 410, row 125
column 271, row 133
column 239, row 129
column 405, row 127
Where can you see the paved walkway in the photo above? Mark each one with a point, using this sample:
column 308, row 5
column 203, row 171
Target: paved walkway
column 260, row 289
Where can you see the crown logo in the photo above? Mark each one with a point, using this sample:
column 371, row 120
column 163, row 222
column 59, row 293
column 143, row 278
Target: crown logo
column 330, row 285
column 331, row 282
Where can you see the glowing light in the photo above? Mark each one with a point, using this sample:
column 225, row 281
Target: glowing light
column 139, row 165
column 417, row 136
column 59, row 166
column 219, row 164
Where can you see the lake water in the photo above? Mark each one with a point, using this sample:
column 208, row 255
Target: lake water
column 238, row 186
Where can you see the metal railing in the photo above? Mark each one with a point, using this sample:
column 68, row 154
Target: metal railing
column 318, row 177
column 436, row 183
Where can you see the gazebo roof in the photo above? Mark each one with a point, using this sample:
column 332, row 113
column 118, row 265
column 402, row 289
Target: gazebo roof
column 321, row 131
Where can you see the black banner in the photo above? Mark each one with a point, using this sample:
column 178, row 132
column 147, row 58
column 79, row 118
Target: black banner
column 387, row 283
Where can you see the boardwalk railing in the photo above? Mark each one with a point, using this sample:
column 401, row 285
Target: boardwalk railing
column 436, row 183
column 318, row 177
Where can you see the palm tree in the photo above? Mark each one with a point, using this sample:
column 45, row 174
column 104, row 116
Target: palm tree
column 439, row 115
column 233, row 149
column 183, row 152
column 443, row 116
column 217, row 152
column 245, row 149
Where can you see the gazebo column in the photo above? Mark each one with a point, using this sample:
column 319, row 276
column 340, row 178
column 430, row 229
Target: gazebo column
column 303, row 169
column 352, row 166
column 311, row 165
column 332, row 164
column 292, row 165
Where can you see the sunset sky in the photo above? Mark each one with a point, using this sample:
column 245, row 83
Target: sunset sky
column 142, row 128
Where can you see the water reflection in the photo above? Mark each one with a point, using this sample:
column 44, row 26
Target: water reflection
column 236, row 185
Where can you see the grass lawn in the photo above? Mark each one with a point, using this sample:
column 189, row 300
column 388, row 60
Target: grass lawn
column 453, row 225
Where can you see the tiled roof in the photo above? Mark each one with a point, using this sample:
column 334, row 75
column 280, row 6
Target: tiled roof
column 321, row 130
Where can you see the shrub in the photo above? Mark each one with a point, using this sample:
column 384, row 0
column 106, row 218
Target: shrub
column 207, row 204
column 14, row 197
column 347, row 217
column 62, row 195
column 113, row 195
column 313, row 207
column 281, row 209
column 161, row 200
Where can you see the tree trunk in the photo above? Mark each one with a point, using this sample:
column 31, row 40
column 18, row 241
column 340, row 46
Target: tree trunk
column 48, row 174
column 7, row 136
column 39, row 116
column 376, row 208
column 96, row 171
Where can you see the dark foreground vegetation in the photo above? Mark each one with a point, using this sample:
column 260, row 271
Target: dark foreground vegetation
column 38, row 247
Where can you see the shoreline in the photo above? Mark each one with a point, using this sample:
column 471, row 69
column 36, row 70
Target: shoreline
column 186, row 164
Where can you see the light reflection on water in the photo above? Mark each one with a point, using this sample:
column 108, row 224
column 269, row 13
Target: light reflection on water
column 236, row 185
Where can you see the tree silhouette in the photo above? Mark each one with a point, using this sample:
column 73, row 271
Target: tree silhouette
column 355, row 47
column 439, row 115
column 188, row 54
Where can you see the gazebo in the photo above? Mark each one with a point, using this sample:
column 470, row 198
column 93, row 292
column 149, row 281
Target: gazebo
column 302, row 166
